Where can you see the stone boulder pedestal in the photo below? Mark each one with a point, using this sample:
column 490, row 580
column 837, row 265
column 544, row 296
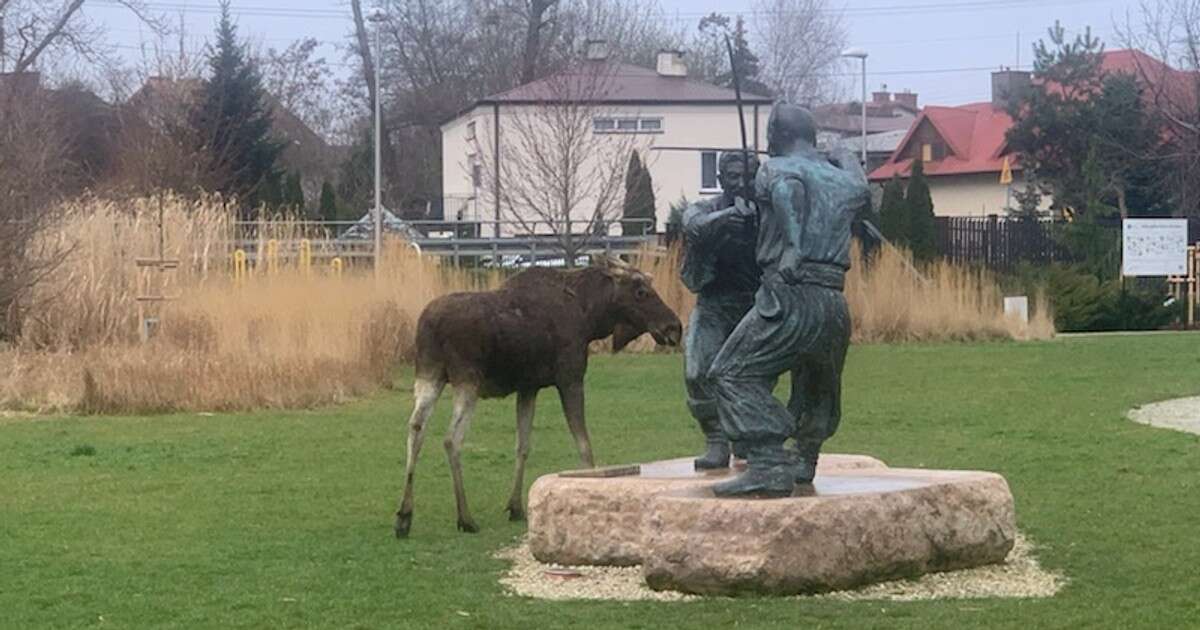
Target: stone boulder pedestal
column 851, row 527
column 600, row 521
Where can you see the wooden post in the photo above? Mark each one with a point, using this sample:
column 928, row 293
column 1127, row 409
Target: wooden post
column 1191, row 287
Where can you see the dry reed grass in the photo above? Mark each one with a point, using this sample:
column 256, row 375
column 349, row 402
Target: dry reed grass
column 289, row 337
column 891, row 301
column 300, row 338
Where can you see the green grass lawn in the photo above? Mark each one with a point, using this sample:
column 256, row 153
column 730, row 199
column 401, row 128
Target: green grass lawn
column 284, row 519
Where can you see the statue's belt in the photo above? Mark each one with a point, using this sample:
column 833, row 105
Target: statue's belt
column 821, row 274
column 818, row 274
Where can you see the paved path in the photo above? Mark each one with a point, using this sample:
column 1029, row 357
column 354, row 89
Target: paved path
column 1181, row 414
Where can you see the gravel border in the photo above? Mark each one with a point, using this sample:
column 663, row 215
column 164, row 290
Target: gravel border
column 1021, row 576
column 1180, row 414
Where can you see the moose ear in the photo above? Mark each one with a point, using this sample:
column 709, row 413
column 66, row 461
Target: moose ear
column 623, row 334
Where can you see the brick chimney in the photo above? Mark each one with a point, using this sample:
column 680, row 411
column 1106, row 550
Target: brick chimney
column 596, row 49
column 882, row 96
column 670, row 64
column 1010, row 85
column 905, row 99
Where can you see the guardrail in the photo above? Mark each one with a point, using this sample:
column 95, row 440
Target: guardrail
column 353, row 240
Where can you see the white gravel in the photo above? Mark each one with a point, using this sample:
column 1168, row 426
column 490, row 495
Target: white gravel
column 1019, row 577
column 1181, row 414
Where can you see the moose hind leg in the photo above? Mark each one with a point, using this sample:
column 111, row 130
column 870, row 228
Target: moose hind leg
column 572, row 402
column 525, row 406
column 425, row 394
column 465, row 397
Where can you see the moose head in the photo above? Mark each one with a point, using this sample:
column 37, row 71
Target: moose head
column 637, row 307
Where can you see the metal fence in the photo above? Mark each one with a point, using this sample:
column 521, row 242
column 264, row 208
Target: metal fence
column 999, row 243
column 530, row 243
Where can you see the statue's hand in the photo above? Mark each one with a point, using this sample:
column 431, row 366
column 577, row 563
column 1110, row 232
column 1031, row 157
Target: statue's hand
column 745, row 208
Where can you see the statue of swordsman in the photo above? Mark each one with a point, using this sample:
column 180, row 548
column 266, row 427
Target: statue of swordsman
column 719, row 266
column 799, row 321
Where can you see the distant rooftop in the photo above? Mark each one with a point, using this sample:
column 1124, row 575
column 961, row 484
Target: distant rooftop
column 627, row 83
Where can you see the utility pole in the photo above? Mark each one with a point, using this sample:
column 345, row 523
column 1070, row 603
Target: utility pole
column 860, row 54
column 377, row 17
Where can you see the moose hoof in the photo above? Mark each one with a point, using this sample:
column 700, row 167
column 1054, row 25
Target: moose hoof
column 403, row 524
column 468, row 526
column 516, row 513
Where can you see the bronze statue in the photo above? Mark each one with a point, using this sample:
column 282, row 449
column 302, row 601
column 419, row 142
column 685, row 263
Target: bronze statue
column 719, row 267
column 800, row 321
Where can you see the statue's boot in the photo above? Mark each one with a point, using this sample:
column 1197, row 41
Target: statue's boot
column 804, row 470
column 804, row 463
column 770, row 473
column 716, row 454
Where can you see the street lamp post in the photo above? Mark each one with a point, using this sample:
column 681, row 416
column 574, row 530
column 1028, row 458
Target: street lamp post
column 376, row 17
column 859, row 53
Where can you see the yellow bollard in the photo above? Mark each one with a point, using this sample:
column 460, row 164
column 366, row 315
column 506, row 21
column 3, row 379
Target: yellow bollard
column 335, row 265
column 272, row 256
column 239, row 266
column 305, row 261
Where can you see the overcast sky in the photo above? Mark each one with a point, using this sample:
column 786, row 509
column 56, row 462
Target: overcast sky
column 941, row 49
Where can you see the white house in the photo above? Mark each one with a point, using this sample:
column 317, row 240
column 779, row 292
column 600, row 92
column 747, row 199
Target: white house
column 652, row 109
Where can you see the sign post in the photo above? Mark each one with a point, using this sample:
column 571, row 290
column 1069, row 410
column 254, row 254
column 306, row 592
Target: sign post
column 1159, row 247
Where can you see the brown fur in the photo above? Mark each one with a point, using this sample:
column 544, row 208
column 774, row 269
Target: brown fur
column 530, row 334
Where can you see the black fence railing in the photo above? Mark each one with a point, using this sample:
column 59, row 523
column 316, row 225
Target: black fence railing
column 998, row 243
column 1001, row 243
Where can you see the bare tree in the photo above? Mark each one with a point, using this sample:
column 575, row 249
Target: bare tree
column 33, row 162
column 300, row 82
column 555, row 175
column 31, row 29
column 799, row 43
column 1169, row 31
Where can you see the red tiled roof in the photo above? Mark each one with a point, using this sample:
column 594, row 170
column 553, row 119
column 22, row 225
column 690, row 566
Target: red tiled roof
column 974, row 136
column 629, row 83
column 975, row 133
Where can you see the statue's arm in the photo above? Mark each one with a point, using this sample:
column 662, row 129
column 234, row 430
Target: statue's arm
column 790, row 199
column 701, row 227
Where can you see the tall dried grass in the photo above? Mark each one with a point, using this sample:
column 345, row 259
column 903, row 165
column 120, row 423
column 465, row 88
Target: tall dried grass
column 290, row 338
column 891, row 300
column 302, row 338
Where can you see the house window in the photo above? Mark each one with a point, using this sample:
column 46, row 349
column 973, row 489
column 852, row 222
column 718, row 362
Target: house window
column 471, row 130
column 476, row 172
column 627, row 125
column 708, row 171
column 926, row 152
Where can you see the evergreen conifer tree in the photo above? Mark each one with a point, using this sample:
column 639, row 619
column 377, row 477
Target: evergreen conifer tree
column 328, row 210
column 921, row 228
column 293, row 193
column 232, row 123
column 745, row 61
column 639, row 198
column 893, row 212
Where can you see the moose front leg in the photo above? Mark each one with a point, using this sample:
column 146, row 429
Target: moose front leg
column 571, row 395
column 525, row 406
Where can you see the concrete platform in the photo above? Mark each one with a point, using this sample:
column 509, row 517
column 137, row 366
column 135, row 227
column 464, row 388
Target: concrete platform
column 599, row 521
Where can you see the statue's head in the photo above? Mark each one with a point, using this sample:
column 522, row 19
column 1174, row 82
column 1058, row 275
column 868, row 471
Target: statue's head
column 790, row 124
column 732, row 167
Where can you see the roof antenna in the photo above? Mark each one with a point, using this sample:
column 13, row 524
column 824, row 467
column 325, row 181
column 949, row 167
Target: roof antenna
column 1018, row 50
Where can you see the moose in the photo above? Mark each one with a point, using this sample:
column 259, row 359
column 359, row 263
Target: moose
column 531, row 333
